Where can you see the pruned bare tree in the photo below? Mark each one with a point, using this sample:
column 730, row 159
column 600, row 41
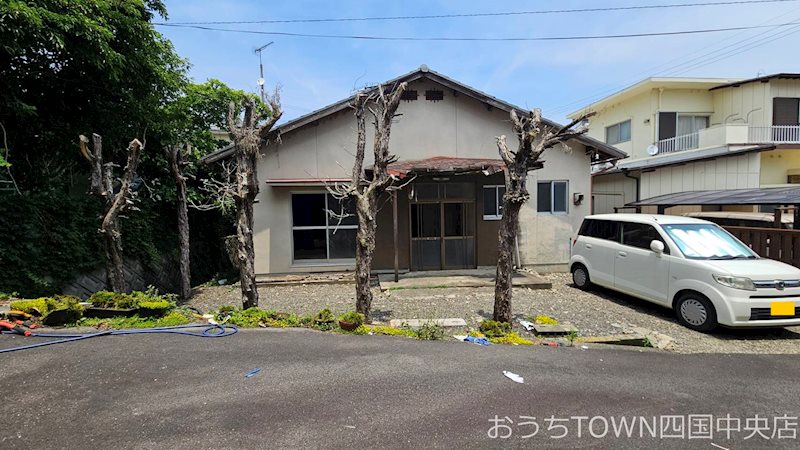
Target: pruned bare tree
column 249, row 134
column 114, row 203
column 534, row 138
column 177, row 164
column 382, row 104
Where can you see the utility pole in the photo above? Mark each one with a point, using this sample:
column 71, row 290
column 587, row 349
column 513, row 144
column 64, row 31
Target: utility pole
column 261, row 68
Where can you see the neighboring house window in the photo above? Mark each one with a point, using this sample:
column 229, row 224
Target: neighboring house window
column 671, row 124
column 318, row 236
column 617, row 133
column 551, row 197
column 493, row 202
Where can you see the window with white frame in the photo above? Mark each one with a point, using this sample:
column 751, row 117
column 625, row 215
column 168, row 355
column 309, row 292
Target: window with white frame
column 617, row 133
column 316, row 235
column 552, row 197
column 493, row 202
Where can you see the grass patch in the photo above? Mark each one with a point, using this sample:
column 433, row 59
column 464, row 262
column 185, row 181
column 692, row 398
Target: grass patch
column 543, row 319
column 511, row 338
column 389, row 331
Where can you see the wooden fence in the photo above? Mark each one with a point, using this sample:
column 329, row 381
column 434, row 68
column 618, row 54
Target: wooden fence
column 774, row 243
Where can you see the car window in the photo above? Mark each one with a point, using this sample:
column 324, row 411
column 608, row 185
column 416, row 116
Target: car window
column 640, row 235
column 600, row 229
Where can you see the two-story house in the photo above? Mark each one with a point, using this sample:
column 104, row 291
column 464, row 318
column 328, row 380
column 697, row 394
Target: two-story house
column 699, row 137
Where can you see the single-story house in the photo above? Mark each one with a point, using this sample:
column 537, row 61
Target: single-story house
column 447, row 213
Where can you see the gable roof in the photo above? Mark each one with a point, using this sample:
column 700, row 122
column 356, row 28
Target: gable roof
column 423, row 72
column 648, row 84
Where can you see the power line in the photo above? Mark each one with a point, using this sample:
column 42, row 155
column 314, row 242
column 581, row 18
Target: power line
column 693, row 63
column 489, row 14
column 476, row 39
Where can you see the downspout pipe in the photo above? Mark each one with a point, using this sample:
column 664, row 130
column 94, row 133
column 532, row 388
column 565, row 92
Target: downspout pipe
column 627, row 174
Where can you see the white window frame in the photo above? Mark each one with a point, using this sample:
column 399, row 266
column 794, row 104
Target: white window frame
column 618, row 124
column 498, row 200
column 552, row 211
column 326, row 227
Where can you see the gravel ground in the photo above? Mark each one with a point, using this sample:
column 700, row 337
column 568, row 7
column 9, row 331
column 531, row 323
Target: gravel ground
column 595, row 313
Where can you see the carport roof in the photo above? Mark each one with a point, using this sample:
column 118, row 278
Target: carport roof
column 753, row 196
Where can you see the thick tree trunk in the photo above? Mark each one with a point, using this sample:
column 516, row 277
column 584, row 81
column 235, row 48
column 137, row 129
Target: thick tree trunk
column 112, row 240
column 183, row 223
column 365, row 247
column 248, row 190
column 505, row 261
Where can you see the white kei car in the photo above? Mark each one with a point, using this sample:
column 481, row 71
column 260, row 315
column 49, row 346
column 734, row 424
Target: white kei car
column 697, row 268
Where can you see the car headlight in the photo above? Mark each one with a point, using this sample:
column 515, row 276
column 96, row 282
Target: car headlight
column 742, row 283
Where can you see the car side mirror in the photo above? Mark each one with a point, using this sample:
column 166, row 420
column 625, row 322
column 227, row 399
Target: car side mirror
column 657, row 246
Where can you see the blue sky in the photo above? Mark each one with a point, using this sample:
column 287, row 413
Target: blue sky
column 558, row 77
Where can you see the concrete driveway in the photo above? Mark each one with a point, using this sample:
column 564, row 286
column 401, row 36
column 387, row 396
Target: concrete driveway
column 324, row 390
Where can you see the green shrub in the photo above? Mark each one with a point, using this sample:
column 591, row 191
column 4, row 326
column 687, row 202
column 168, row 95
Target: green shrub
column 156, row 308
column 511, row 338
column 150, row 302
column 36, row 307
column 352, row 317
column 53, row 310
column 106, row 299
column 494, row 329
column 179, row 316
column 324, row 320
column 430, row 331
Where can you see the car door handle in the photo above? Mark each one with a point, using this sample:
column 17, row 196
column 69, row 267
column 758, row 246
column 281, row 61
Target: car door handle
column 622, row 254
column 588, row 245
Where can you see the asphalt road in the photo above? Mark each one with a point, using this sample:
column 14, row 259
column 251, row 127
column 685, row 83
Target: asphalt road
column 324, row 390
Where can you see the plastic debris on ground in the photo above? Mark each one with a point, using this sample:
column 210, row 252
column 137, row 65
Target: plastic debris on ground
column 475, row 340
column 554, row 344
column 584, row 347
column 527, row 325
column 513, row 377
column 251, row 373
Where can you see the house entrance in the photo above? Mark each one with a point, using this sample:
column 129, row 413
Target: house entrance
column 442, row 226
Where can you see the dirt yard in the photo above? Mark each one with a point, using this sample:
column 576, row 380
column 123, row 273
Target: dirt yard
column 594, row 313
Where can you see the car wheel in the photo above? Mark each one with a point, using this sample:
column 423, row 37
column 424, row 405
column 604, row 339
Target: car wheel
column 696, row 312
column 580, row 277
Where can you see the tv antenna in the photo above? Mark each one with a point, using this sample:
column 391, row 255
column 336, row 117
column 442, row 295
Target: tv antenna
column 261, row 68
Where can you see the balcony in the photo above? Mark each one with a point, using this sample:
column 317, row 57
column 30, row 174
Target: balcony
column 730, row 134
column 776, row 134
column 679, row 143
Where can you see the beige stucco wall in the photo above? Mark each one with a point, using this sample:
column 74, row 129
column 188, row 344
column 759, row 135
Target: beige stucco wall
column 735, row 172
column 455, row 126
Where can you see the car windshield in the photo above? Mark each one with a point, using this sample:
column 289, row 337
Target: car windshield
column 707, row 241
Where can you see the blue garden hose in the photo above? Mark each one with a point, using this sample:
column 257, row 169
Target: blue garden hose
column 206, row 331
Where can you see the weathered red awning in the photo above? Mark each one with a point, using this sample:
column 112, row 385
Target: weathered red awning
column 445, row 164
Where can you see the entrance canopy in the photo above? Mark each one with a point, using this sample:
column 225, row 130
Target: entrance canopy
column 753, row 196
column 445, row 165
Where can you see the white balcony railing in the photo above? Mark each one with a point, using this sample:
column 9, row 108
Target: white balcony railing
column 679, row 143
column 776, row 134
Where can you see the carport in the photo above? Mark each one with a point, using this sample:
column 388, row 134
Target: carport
column 775, row 243
column 753, row 196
